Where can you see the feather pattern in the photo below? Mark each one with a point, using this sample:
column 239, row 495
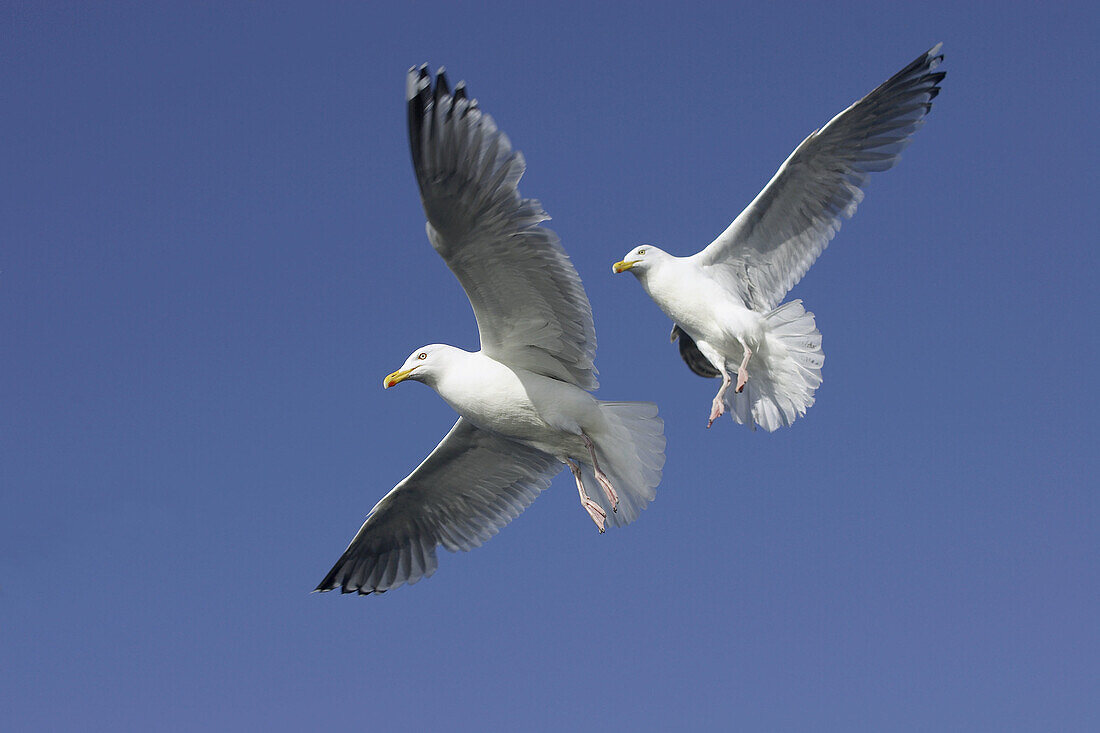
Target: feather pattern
column 464, row 492
column 530, row 306
column 772, row 243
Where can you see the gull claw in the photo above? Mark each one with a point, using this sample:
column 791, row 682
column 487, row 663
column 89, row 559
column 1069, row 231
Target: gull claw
column 609, row 490
column 743, row 370
column 599, row 516
column 717, row 409
column 601, row 477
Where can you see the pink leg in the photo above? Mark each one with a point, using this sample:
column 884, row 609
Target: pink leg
column 601, row 477
column 594, row 510
column 718, row 406
column 743, row 370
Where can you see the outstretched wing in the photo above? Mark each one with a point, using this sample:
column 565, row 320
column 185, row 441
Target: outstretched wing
column 769, row 247
column 470, row 486
column 530, row 306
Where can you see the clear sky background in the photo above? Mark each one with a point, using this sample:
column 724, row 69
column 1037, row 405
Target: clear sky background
column 212, row 250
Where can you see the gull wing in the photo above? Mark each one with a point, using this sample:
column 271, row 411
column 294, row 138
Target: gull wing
column 531, row 309
column 690, row 353
column 771, row 244
column 470, row 486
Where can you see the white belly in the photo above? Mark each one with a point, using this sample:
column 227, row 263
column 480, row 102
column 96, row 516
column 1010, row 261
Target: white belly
column 542, row 412
column 703, row 308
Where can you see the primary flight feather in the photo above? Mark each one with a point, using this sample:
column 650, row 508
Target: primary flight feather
column 523, row 400
column 725, row 300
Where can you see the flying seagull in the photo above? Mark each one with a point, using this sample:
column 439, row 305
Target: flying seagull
column 724, row 300
column 524, row 397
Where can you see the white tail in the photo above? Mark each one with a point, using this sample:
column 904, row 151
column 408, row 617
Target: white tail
column 631, row 451
column 787, row 371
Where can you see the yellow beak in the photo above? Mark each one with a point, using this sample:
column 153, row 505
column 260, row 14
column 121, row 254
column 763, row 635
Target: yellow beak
column 622, row 266
column 399, row 376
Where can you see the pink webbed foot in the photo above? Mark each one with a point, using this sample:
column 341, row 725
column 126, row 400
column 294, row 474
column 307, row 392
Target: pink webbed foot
column 743, row 370
column 608, row 490
column 717, row 409
column 718, row 406
column 601, row 477
column 596, row 512
column 599, row 516
column 742, row 380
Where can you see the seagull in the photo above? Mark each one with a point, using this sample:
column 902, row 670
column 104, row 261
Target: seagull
column 523, row 398
column 725, row 300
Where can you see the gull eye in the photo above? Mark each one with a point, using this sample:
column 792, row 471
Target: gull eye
column 422, row 355
column 641, row 251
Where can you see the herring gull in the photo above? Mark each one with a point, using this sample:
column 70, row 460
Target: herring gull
column 724, row 300
column 523, row 399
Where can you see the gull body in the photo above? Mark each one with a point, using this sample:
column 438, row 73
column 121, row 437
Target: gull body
column 724, row 301
column 699, row 304
column 544, row 413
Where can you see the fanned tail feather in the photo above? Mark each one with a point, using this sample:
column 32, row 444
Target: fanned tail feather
column 781, row 388
column 632, row 453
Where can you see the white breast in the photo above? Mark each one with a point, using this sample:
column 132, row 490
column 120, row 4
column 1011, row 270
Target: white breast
column 700, row 304
column 542, row 412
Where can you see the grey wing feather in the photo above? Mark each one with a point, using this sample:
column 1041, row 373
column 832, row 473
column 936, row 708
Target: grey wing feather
column 463, row 493
column 772, row 243
column 691, row 354
column 530, row 306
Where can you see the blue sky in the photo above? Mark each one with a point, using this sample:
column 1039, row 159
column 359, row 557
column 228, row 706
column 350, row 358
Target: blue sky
column 212, row 250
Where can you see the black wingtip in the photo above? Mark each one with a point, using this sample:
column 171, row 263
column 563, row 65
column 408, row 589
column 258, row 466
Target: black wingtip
column 422, row 96
column 691, row 354
column 917, row 78
column 935, row 78
column 329, row 583
column 441, row 86
column 934, row 57
column 416, row 81
column 418, row 93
